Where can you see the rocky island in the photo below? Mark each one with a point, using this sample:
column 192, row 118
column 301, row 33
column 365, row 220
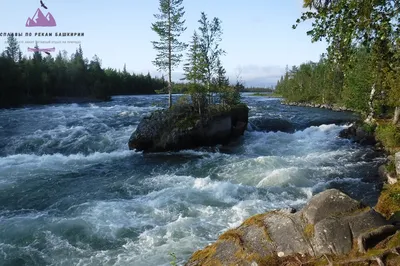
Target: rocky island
column 181, row 127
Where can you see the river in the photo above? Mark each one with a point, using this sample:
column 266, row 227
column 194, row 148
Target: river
column 71, row 193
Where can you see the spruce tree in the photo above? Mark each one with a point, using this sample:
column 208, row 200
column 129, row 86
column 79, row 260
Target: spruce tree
column 12, row 50
column 195, row 74
column 209, row 40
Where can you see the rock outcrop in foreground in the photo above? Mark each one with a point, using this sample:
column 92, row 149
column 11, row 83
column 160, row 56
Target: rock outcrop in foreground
column 182, row 128
column 332, row 227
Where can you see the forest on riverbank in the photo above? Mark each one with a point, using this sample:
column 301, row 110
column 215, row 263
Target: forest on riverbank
column 40, row 79
column 361, row 69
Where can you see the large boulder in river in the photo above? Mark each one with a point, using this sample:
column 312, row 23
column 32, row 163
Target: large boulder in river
column 181, row 128
column 359, row 133
column 331, row 224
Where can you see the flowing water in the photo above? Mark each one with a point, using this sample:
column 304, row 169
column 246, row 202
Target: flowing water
column 71, row 193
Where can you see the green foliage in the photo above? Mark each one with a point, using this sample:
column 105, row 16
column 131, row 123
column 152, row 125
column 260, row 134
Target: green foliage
column 169, row 26
column 13, row 51
column 173, row 262
column 195, row 65
column 389, row 200
column 207, row 79
column 41, row 79
column 198, row 93
column 391, row 167
column 389, row 135
column 230, row 96
column 209, row 50
column 358, row 81
column 257, row 89
column 349, row 26
column 369, row 128
column 313, row 82
column 183, row 100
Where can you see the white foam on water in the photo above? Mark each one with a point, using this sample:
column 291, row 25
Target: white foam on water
column 22, row 166
column 177, row 208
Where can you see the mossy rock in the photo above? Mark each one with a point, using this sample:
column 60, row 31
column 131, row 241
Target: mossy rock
column 181, row 128
column 389, row 200
column 331, row 224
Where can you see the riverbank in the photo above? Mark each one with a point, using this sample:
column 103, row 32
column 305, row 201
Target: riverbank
column 266, row 94
column 333, row 107
column 258, row 240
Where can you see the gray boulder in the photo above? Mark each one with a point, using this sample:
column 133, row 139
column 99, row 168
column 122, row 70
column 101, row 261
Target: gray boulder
column 358, row 134
column 329, row 224
column 397, row 163
column 182, row 128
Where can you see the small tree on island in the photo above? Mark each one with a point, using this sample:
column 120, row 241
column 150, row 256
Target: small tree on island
column 204, row 70
column 169, row 27
column 209, row 45
column 195, row 74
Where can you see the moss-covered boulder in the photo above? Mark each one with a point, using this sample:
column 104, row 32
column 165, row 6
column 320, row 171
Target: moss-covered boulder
column 389, row 201
column 331, row 224
column 181, row 127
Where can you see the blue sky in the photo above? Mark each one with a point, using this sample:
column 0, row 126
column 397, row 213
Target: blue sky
column 258, row 35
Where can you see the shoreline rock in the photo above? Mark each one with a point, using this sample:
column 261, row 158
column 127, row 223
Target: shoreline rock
column 182, row 128
column 358, row 134
column 331, row 224
column 332, row 107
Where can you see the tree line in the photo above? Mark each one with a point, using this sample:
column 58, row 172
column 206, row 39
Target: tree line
column 361, row 69
column 41, row 79
column 205, row 76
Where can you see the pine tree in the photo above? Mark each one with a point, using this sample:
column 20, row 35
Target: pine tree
column 169, row 26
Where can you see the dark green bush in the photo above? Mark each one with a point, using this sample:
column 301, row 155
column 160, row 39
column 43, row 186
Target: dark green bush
column 389, row 135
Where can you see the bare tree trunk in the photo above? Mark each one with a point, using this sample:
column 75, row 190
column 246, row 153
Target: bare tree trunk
column 370, row 118
column 396, row 116
column 169, row 92
column 169, row 59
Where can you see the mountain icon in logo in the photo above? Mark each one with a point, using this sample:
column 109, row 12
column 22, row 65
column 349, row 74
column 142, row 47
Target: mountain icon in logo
column 39, row 20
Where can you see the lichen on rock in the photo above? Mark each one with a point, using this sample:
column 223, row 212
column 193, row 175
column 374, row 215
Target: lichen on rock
column 331, row 224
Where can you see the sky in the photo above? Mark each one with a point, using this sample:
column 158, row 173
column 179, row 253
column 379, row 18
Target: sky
column 257, row 34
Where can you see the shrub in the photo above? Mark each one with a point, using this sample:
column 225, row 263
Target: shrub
column 389, row 200
column 391, row 167
column 230, row 95
column 183, row 100
column 389, row 135
column 369, row 128
column 198, row 94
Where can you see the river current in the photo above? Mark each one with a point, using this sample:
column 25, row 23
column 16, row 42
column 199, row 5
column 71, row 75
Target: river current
column 71, row 193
